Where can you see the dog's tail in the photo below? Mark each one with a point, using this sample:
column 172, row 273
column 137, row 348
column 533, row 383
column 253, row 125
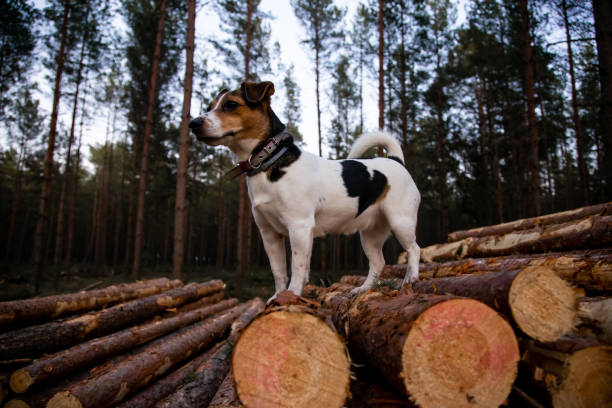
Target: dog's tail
column 372, row 139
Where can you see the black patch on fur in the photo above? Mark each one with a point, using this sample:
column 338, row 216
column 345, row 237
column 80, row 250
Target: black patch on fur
column 397, row 159
column 358, row 183
column 292, row 154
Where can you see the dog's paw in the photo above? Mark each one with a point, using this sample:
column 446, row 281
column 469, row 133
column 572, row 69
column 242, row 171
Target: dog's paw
column 360, row 289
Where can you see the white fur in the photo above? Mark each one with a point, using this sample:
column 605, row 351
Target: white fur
column 311, row 200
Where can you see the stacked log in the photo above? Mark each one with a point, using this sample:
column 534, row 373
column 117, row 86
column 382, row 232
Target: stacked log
column 35, row 340
column 49, row 307
column 53, row 366
column 133, row 373
column 290, row 356
column 440, row 350
column 592, row 232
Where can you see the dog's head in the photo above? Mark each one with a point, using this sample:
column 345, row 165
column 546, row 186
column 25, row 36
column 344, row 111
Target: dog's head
column 238, row 115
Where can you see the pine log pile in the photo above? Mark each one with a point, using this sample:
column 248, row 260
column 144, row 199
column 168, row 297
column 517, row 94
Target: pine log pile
column 550, row 277
column 131, row 344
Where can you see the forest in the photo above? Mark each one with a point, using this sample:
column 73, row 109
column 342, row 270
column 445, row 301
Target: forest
column 506, row 114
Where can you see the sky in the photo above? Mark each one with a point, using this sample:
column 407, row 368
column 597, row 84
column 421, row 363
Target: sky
column 285, row 29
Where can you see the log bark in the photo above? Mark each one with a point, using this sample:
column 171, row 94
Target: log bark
column 529, row 223
column 591, row 269
column 226, row 396
column 576, row 372
column 596, row 317
column 135, row 372
column 540, row 303
column 35, row 340
column 56, row 365
column 438, row 349
column 291, row 357
column 162, row 388
column 205, row 301
column 591, row 232
column 49, row 307
column 208, row 376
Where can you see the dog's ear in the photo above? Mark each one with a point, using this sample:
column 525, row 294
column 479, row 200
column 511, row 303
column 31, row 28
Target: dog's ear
column 254, row 92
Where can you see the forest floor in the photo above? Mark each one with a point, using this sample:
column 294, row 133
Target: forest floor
column 16, row 281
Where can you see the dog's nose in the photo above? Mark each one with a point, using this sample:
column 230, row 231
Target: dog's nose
column 196, row 123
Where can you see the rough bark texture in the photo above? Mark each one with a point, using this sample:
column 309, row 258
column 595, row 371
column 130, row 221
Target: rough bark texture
column 290, row 357
column 226, row 396
column 139, row 370
column 441, row 350
column 180, row 218
column 592, row 232
column 56, row 365
column 50, row 307
column 596, row 318
column 589, row 269
column 35, row 340
column 576, row 372
column 164, row 387
column 208, row 376
column 540, row 303
column 529, row 223
column 206, row 300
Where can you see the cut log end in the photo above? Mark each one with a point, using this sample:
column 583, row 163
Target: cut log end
column 543, row 305
column 17, row 403
column 588, row 379
column 64, row 399
column 459, row 353
column 291, row 359
column 20, row 381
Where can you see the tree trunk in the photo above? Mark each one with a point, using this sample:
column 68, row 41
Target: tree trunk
column 15, row 199
column 577, row 372
column 35, row 340
column 602, row 14
column 381, row 69
column 102, row 213
column 211, row 372
column 144, row 162
column 74, row 190
column 288, row 369
column 50, row 307
column 133, row 373
column 54, row 366
column 407, row 338
column 497, row 186
column 48, row 169
column 532, row 125
column 529, row 223
column 482, row 139
column 591, row 232
column 59, row 236
column 220, row 218
column 582, row 169
column 183, row 161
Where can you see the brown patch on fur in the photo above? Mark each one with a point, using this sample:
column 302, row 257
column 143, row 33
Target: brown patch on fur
column 384, row 194
column 252, row 123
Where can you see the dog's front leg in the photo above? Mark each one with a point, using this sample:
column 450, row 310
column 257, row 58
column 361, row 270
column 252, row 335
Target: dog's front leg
column 300, row 237
column 274, row 244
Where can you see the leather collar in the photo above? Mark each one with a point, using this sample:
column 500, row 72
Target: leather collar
column 262, row 157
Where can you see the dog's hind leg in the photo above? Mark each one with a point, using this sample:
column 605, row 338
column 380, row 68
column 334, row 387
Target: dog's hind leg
column 404, row 229
column 274, row 244
column 372, row 242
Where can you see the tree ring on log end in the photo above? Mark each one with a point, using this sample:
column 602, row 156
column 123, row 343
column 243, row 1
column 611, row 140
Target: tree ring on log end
column 587, row 379
column 289, row 359
column 20, row 381
column 64, row 399
column 459, row 353
column 543, row 305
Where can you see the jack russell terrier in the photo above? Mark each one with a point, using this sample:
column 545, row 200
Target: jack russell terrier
column 300, row 195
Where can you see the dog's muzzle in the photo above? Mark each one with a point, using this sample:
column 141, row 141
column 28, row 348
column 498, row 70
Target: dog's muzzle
column 196, row 123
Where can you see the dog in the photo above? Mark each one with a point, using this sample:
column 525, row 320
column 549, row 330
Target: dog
column 302, row 196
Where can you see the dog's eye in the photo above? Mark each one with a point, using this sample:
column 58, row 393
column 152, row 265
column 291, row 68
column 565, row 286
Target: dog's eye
column 229, row 106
